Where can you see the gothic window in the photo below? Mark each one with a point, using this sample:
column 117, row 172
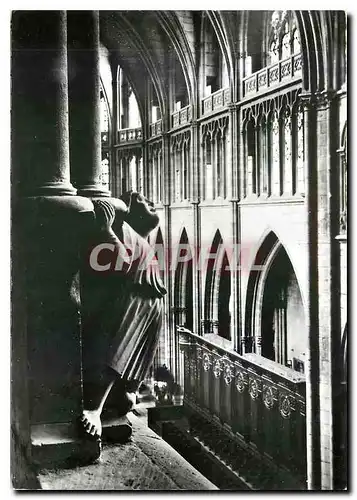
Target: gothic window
column 285, row 41
column 275, row 155
column 180, row 153
column 134, row 115
column 154, row 110
column 177, row 176
column 250, row 158
column 264, row 180
column 273, row 44
column 212, row 57
column 128, row 109
column 157, row 175
column 219, row 165
column 179, row 88
column 104, row 176
column 220, row 158
column 209, row 173
column 283, row 36
column 273, row 52
column 288, row 177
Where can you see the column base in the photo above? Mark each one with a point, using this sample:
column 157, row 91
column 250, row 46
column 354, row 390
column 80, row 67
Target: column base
column 51, row 189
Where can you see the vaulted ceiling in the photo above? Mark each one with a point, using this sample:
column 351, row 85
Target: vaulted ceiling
column 142, row 43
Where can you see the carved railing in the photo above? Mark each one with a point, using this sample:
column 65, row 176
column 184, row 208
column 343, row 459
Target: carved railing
column 261, row 402
column 156, row 128
column 130, row 134
column 216, row 101
column 273, row 75
column 182, row 117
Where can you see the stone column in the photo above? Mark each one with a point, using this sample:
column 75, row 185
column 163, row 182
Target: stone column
column 328, row 254
column 233, row 195
column 84, row 102
column 114, row 130
column 47, row 219
column 39, row 107
column 312, row 361
column 169, row 326
column 195, row 198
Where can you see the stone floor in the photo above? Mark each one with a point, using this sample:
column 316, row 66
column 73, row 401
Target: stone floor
column 145, row 463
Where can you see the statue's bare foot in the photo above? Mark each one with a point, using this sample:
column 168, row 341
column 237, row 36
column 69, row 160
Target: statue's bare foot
column 90, row 424
column 131, row 400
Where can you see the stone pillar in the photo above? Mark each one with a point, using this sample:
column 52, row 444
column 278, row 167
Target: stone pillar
column 84, row 102
column 312, row 361
column 233, row 194
column 114, row 131
column 169, row 326
column 47, row 221
column 194, row 197
column 328, row 254
column 40, row 153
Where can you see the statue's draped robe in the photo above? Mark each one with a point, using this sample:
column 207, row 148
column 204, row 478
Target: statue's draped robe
column 122, row 307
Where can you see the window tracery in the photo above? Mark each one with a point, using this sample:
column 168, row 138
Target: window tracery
column 214, row 154
column 283, row 36
column 288, row 174
column 155, row 174
column 273, row 146
column 180, row 154
column 275, row 163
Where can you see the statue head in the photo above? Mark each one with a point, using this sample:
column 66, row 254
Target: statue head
column 142, row 215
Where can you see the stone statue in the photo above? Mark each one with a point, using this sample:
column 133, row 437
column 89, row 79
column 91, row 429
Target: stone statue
column 122, row 306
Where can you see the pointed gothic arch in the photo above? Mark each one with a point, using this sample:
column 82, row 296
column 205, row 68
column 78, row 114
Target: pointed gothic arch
column 173, row 28
column 217, row 297
column 275, row 317
column 183, row 284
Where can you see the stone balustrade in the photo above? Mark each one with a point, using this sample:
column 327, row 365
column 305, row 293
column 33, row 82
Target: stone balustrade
column 216, row 101
column 260, row 401
column 130, row 134
column 280, row 72
column 156, row 128
column 181, row 117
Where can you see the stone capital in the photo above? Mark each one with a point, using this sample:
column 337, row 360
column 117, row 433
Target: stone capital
column 318, row 100
column 324, row 99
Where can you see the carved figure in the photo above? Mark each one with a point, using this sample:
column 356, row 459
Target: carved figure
column 121, row 306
